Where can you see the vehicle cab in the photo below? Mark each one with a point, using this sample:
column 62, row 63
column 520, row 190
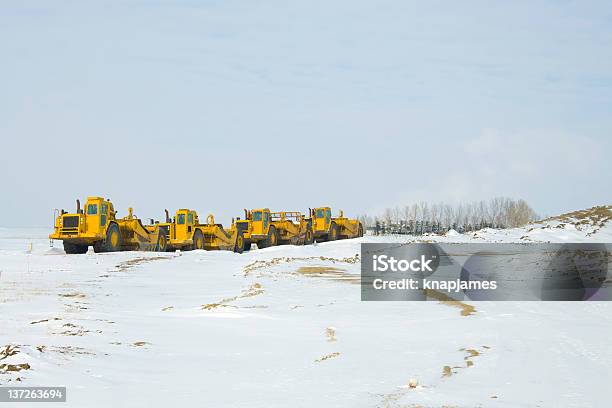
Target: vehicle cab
column 184, row 223
column 321, row 219
column 87, row 223
column 260, row 222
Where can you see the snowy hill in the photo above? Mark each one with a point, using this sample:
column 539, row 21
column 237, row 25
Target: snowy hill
column 590, row 225
column 285, row 326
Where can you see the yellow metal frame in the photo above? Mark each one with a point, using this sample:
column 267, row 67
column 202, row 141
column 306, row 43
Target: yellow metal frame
column 185, row 232
column 324, row 226
column 90, row 226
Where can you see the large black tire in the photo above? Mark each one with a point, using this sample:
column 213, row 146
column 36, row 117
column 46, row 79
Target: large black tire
column 360, row 233
column 239, row 246
column 198, row 240
column 271, row 240
column 71, row 248
column 247, row 245
column 333, row 232
column 309, row 237
column 162, row 241
column 112, row 243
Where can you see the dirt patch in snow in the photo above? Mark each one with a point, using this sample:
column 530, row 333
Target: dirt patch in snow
column 65, row 350
column 329, row 272
column 70, row 329
column 466, row 310
column 14, row 367
column 8, row 351
column 327, row 357
column 253, row 290
column 255, row 265
column 72, row 350
column 129, row 264
column 72, row 295
column 471, row 354
column 45, row 320
column 9, row 363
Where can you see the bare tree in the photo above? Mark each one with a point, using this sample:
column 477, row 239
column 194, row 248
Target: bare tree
column 388, row 216
column 520, row 213
column 397, row 215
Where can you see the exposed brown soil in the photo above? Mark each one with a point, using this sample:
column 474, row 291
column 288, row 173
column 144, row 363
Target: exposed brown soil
column 255, row 265
column 471, row 354
column 14, row 367
column 329, row 272
column 598, row 215
column 327, row 357
column 72, row 295
column 253, row 290
column 595, row 216
column 66, row 350
column 447, row 371
column 466, row 310
column 8, row 350
column 124, row 266
column 71, row 329
column 45, row 320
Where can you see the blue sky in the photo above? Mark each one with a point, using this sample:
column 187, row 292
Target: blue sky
column 223, row 105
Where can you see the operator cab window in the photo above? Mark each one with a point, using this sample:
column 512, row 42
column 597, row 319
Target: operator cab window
column 92, row 209
column 257, row 216
column 103, row 212
column 180, row 219
column 190, row 218
column 320, row 213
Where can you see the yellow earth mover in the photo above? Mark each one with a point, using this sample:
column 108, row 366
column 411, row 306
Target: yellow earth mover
column 266, row 228
column 97, row 225
column 292, row 227
column 185, row 232
column 328, row 228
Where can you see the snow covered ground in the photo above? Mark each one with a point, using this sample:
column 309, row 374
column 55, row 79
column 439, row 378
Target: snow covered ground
column 285, row 327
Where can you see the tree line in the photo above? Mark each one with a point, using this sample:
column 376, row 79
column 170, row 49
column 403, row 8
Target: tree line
column 422, row 217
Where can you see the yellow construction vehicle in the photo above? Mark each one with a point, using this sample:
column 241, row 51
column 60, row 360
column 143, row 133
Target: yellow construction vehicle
column 292, row 227
column 266, row 228
column 185, row 232
column 98, row 226
column 257, row 228
column 328, row 228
